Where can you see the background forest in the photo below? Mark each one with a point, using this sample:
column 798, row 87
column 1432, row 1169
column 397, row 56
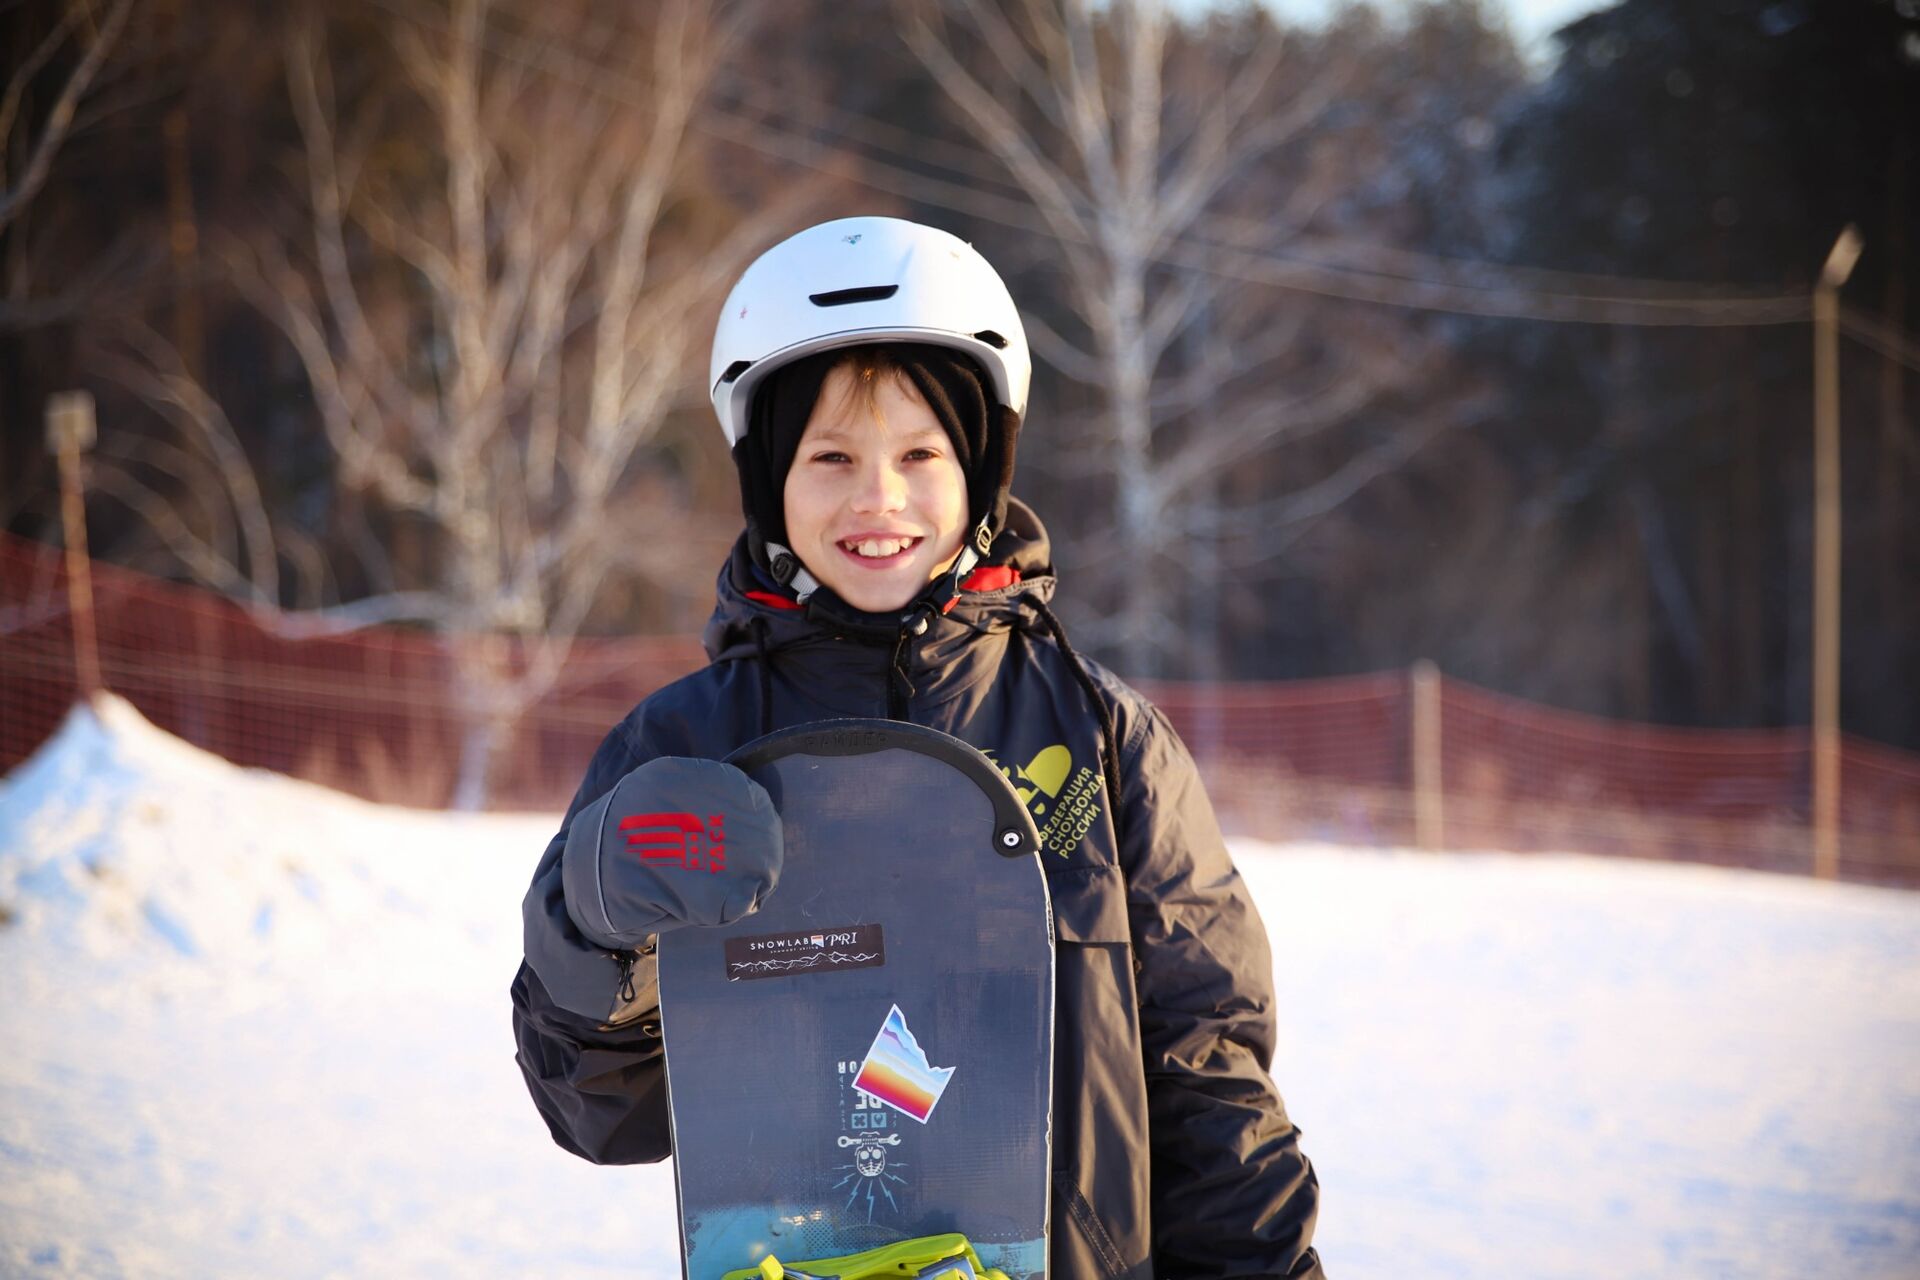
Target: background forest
column 1358, row 342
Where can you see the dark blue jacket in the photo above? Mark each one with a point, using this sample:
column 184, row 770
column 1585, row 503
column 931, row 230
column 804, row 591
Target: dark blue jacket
column 1173, row 1155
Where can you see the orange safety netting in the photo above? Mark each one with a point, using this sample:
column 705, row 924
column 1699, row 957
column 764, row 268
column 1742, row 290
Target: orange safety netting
column 377, row 713
column 372, row 712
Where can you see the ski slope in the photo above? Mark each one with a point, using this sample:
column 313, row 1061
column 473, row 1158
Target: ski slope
column 253, row 1027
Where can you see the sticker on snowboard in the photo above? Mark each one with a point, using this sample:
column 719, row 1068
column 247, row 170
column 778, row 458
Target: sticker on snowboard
column 825, row 951
column 896, row 1072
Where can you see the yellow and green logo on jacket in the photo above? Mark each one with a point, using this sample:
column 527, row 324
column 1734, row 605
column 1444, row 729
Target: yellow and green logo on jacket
column 1064, row 800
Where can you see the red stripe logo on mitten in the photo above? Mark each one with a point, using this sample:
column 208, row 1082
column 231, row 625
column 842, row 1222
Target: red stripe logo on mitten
column 678, row 839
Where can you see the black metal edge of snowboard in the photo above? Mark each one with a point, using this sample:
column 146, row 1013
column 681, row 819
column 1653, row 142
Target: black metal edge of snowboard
column 856, row 737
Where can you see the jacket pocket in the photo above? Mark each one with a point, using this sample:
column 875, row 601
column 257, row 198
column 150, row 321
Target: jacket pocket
column 1089, row 905
column 1074, row 1217
column 1100, row 1200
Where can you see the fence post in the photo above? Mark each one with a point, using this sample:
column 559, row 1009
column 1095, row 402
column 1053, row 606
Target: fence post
column 1429, row 817
column 1826, row 554
column 70, row 429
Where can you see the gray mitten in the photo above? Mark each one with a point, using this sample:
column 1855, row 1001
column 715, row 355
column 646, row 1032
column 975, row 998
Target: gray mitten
column 676, row 842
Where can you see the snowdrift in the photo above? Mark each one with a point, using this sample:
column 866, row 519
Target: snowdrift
column 139, row 856
column 257, row 1028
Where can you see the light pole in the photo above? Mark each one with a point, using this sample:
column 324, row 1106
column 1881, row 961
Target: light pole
column 1826, row 553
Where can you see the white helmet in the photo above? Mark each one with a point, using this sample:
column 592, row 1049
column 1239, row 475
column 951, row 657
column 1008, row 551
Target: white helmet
column 860, row 280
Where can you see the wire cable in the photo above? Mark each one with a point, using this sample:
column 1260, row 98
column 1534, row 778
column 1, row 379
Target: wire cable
column 1495, row 291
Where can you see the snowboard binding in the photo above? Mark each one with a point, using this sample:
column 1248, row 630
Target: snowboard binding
column 943, row 1257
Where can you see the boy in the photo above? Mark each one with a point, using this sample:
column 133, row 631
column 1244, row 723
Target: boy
column 870, row 375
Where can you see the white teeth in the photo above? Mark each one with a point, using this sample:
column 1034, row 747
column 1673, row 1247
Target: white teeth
column 881, row 547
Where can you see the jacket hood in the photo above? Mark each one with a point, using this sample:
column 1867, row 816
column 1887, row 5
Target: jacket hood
column 747, row 622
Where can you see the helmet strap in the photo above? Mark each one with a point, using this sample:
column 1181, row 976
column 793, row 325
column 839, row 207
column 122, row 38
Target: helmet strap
column 789, row 572
column 945, row 592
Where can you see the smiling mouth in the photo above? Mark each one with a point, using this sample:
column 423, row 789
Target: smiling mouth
column 878, row 549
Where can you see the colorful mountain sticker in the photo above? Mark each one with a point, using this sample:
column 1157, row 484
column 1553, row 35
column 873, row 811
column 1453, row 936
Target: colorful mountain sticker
column 896, row 1072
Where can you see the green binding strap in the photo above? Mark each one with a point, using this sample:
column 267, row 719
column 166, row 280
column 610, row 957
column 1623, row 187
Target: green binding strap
column 906, row 1258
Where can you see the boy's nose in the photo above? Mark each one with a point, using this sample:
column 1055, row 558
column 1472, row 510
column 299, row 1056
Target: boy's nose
column 881, row 488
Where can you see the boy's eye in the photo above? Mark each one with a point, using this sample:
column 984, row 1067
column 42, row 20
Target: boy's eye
column 922, row 454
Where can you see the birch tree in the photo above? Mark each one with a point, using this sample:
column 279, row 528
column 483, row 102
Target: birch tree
column 492, row 346
column 1133, row 142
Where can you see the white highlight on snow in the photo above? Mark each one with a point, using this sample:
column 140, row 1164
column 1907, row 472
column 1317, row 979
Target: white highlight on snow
column 253, row 1027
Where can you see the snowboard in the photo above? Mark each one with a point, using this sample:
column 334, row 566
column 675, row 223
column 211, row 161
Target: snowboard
column 868, row 1058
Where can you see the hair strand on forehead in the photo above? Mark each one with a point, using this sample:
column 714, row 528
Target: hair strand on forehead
column 866, row 367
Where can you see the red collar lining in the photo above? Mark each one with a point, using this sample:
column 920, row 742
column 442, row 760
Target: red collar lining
column 989, row 577
column 773, row 600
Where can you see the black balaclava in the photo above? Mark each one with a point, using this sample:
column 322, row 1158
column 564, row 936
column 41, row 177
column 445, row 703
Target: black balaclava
column 983, row 433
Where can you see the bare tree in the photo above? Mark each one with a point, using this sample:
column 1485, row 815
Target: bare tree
column 1133, row 139
column 84, row 37
column 492, row 351
column 41, row 140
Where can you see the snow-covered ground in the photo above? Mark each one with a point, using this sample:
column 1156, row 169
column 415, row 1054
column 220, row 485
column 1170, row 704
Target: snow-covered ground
column 251, row 1027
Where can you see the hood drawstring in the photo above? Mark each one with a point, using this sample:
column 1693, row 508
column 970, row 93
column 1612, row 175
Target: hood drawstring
column 759, row 628
column 899, row 669
column 1109, row 753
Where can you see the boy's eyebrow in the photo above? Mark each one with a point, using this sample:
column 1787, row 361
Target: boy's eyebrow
column 931, row 432
column 826, row 433
column 840, row 429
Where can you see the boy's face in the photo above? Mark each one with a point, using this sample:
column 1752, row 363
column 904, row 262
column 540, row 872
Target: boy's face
column 876, row 502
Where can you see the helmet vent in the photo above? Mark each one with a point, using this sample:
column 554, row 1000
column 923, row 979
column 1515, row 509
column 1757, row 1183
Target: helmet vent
column 992, row 339
column 735, row 369
column 841, row 297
